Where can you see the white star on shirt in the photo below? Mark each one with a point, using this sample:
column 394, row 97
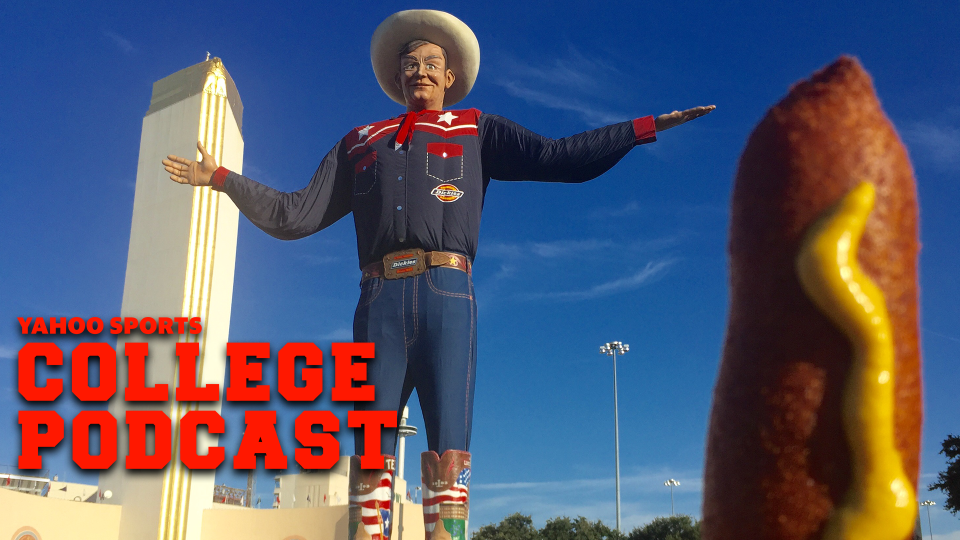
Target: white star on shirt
column 447, row 117
column 364, row 132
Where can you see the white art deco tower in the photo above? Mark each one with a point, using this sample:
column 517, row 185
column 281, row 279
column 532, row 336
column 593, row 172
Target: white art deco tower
column 180, row 264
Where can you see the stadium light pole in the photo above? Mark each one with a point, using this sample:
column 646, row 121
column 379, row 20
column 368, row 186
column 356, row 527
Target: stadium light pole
column 611, row 349
column 671, row 482
column 928, row 504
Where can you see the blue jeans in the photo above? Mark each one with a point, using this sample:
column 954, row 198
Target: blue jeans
column 424, row 330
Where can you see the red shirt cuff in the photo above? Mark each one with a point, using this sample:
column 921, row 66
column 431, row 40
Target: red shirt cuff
column 644, row 130
column 220, row 175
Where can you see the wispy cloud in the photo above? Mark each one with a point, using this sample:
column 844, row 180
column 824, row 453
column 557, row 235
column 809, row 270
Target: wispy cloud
column 340, row 334
column 318, row 260
column 938, row 334
column 631, row 208
column 592, row 115
column 562, row 248
column 574, row 71
column 651, row 271
column 8, row 394
column 628, row 209
column 120, row 41
column 523, row 266
column 642, row 495
column 552, row 249
column 565, row 247
column 259, row 174
column 645, row 482
column 936, row 143
column 574, row 82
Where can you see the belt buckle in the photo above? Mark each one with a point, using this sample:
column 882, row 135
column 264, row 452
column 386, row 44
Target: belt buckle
column 406, row 263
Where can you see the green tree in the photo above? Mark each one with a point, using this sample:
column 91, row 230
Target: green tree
column 949, row 480
column 513, row 527
column 668, row 528
column 564, row 528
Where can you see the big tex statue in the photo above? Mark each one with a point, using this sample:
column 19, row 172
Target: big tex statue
column 415, row 185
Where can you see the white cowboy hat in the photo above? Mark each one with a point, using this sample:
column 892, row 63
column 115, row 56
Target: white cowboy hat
column 437, row 27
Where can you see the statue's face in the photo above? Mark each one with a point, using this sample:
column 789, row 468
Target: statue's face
column 424, row 77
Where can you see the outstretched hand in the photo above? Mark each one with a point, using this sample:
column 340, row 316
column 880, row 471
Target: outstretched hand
column 187, row 171
column 674, row 119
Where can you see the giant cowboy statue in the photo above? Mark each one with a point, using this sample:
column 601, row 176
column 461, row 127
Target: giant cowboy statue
column 415, row 185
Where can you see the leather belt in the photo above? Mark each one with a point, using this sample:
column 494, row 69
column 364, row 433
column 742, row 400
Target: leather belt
column 413, row 262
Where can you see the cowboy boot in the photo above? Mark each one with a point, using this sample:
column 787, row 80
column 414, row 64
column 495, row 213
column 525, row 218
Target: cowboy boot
column 371, row 498
column 446, row 494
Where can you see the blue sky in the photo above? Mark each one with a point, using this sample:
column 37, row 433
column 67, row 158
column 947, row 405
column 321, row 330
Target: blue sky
column 648, row 239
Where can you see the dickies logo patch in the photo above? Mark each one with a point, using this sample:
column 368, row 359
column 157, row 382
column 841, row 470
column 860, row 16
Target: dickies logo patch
column 396, row 265
column 446, row 192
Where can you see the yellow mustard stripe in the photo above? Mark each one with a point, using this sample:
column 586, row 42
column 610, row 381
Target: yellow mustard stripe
column 880, row 503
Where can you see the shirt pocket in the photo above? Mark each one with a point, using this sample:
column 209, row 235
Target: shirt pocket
column 365, row 173
column 445, row 161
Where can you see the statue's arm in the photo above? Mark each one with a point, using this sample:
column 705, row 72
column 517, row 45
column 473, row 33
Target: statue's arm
column 289, row 216
column 511, row 152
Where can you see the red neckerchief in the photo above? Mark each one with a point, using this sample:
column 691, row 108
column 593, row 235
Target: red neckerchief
column 407, row 125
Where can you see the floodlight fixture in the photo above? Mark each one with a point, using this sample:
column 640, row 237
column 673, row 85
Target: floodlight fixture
column 611, row 349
